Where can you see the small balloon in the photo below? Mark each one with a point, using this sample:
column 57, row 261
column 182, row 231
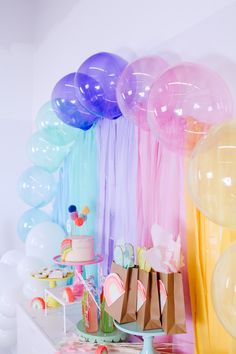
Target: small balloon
column 29, row 219
column 52, row 128
column 12, row 257
column 184, row 103
column 134, row 85
column 96, row 81
column 36, row 186
column 44, row 240
column 223, row 289
column 45, row 154
column 67, row 106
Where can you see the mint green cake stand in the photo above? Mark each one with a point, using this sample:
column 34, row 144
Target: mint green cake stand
column 100, row 337
column 133, row 328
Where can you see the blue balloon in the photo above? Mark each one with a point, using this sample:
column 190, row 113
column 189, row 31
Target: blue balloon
column 96, row 81
column 67, row 106
column 36, row 187
column 52, row 128
column 45, row 154
column 29, row 219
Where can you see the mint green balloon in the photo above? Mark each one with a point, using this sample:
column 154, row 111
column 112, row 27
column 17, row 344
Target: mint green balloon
column 52, row 128
column 45, row 154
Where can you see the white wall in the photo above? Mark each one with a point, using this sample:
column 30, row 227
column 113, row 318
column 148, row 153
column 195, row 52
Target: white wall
column 43, row 40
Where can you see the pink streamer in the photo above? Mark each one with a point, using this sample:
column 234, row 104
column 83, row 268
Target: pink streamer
column 160, row 196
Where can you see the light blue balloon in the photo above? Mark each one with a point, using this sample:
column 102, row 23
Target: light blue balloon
column 36, row 187
column 52, row 128
column 45, row 154
column 29, row 219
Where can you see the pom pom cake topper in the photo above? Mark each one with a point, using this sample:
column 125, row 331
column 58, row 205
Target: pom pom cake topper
column 78, row 219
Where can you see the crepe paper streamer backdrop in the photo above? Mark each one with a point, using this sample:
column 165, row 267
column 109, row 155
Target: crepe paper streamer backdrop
column 78, row 185
column 206, row 242
column 160, row 190
column 117, row 151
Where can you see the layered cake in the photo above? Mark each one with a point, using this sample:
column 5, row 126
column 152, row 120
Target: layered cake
column 77, row 249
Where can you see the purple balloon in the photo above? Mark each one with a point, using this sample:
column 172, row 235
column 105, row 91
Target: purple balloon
column 67, row 106
column 96, row 81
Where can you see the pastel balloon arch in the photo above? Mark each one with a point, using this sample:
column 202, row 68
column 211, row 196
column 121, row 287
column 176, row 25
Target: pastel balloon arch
column 109, row 136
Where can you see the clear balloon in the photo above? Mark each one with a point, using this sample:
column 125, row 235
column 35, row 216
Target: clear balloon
column 8, row 277
column 44, row 240
column 67, row 106
column 96, row 81
column 184, row 103
column 223, row 289
column 12, row 257
column 52, row 128
column 27, row 266
column 8, row 302
column 212, row 175
column 45, row 154
column 134, row 85
column 7, row 338
column 7, row 322
column 29, row 219
column 36, row 187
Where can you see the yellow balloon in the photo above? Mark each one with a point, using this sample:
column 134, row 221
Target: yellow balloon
column 224, row 289
column 212, row 174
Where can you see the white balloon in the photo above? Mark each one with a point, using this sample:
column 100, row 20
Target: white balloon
column 34, row 288
column 12, row 257
column 8, row 302
column 7, row 338
column 44, row 240
column 8, row 277
column 7, row 322
column 27, row 266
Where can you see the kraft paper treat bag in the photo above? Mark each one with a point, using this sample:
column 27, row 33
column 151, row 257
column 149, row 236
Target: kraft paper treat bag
column 173, row 308
column 123, row 310
column 149, row 316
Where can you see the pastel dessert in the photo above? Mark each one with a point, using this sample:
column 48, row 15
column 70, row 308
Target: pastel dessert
column 56, row 273
column 38, row 303
column 68, row 295
column 77, row 249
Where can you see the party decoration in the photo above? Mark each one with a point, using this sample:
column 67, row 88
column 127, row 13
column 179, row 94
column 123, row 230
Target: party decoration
column 52, row 128
column 68, row 295
column 78, row 219
column 212, row 175
column 67, row 106
column 36, row 186
column 27, row 266
column 96, row 81
column 142, row 262
column 12, row 257
column 124, row 255
column 134, row 86
column 113, row 288
column 43, row 241
column 7, row 338
column 163, row 295
column 184, row 103
column 29, row 219
column 223, row 289
column 45, row 154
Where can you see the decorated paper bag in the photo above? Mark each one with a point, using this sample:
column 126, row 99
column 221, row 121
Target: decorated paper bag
column 172, row 303
column 121, row 289
column 148, row 305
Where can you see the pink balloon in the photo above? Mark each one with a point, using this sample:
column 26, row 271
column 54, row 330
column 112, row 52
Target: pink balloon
column 134, row 85
column 185, row 102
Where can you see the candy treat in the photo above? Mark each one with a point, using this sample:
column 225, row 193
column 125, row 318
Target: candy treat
column 68, row 295
column 101, row 349
column 56, row 274
column 38, row 303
